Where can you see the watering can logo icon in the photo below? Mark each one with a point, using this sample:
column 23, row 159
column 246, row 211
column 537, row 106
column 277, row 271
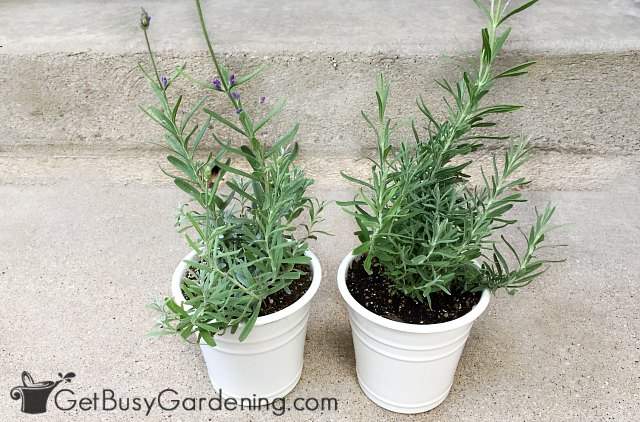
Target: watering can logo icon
column 34, row 395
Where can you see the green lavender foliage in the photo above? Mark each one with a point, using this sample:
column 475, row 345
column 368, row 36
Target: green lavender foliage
column 242, row 221
column 418, row 216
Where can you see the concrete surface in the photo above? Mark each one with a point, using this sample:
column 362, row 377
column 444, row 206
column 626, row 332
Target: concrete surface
column 86, row 216
column 84, row 249
column 580, row 104
column 407, row 26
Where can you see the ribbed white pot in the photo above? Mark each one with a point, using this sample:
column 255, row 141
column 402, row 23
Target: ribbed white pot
column 405, row 368
column 268, row 363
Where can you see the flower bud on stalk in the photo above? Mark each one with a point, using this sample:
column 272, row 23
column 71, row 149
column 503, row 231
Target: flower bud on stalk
column 145, row 19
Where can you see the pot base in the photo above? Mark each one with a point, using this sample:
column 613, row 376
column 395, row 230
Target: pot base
column 270, row 397
column 399, row 408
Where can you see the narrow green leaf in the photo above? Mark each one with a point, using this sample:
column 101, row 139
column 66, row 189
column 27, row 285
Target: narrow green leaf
column 246, row 330
column 207, row 337
column 284, row 140
column 357, row 181
column 486, row 45
column 200, row 134
column 517, row 10
column 191, row 113
column 483, row 8
column 240, row 191
column 272, row 113
column 181, row 165
column 224, row 121
column 187, row 187
column 234, row 170
column 246, row 78
column 515, row 71
column 174, row 112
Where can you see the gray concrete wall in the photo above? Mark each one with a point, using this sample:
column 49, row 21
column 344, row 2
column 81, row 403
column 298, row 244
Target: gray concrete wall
column 583, row 103
column 399, row 26
column 69, row 79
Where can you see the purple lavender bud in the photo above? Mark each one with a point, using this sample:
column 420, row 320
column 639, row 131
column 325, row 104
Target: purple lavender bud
column 238, row 110
column 232, row 79
column 263, row 99
column 217, row 84
column 164, row 81
column 235, row 95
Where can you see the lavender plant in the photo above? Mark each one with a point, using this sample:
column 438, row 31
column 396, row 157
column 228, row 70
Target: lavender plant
column 420, row 221
column 244, row 220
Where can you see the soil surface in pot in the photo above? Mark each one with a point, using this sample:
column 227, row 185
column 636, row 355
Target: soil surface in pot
column 281, row 299
column 373, row 292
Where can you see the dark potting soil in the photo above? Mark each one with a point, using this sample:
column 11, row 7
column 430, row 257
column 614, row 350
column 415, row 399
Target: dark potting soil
column 373, row 292
column 281, row 299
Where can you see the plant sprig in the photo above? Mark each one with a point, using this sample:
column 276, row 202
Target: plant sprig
column 243, row 224
column 417, row 216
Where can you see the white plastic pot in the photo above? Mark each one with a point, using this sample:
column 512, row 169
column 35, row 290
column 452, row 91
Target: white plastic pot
column 405, row 368
column 268, row 363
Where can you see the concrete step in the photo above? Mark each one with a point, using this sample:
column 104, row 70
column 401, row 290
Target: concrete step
column 69, row 74
column 408, row 27
column 549, row 170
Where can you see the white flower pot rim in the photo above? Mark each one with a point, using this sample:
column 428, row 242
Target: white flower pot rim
column 467, row 318
column 316, row 270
